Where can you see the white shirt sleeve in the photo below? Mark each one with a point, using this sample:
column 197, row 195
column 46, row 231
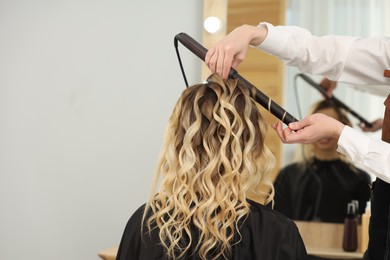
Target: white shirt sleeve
column 341, row 58
column 370, row 154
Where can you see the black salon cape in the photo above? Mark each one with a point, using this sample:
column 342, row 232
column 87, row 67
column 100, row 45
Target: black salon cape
column 321, row 192
column 266, row 235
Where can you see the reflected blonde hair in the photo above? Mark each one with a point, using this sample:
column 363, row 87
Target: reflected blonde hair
column 213, row 159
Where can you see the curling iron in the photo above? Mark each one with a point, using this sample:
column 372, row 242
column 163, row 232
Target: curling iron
column 338, row 102
column 257, row 95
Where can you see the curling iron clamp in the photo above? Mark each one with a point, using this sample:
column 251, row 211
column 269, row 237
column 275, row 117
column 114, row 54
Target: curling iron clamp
column 257, row 95
column 338, row 102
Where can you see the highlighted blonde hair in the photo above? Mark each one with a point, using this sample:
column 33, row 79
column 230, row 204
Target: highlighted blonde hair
column 213, row 159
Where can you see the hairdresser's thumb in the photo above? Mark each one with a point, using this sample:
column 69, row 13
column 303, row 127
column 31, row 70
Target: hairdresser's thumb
column 295, row 125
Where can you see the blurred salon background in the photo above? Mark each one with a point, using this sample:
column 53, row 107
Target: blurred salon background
column 86, row 88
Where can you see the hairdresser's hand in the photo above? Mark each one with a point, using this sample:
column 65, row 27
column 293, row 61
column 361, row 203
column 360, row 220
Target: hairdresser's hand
column 231, row 50
column 376, row 125
column 310, row 129
column 329, row 85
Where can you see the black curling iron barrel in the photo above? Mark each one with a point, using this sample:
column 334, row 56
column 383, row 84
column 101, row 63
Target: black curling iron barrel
column 258, row 96
column 338, row 102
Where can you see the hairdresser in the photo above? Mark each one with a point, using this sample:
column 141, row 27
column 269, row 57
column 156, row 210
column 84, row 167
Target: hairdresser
column 346, row 59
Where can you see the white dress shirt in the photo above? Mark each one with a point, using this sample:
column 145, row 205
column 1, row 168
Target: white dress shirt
column 346, row 59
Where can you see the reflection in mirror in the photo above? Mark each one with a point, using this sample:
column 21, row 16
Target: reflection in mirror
column 355, row 18
column 319, row 186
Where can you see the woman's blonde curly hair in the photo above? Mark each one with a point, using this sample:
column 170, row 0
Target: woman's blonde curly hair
column 213, row 159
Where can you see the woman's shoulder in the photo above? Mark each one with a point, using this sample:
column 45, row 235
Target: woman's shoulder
column 356, row 172
column 291, row 166
column 137, row 243
column 268, row 228
column 365, row 175
column 136, row 216
column 265, row 214
column 139, row 211
column 290, row 172
column 133, row 225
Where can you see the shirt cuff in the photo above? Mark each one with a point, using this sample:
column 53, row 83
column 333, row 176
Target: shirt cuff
column 275, row 42
column 353, row 144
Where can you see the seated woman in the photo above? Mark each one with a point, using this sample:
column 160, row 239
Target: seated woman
column 212, row 180
column 320, row 186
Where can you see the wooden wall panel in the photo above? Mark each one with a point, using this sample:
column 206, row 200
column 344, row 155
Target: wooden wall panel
column 262, row 70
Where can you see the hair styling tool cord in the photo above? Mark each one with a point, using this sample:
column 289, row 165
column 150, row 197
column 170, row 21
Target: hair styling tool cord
column 338, row 102
column 257, row 95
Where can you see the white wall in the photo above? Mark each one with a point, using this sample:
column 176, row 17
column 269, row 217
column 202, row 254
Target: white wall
column 86, row 88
